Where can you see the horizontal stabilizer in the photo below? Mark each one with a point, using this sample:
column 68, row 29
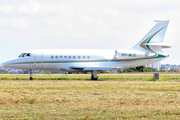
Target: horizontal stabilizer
column 163, row 45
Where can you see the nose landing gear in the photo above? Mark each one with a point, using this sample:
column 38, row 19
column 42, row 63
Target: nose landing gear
column 31, row 78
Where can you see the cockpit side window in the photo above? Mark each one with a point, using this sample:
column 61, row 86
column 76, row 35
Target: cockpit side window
column 28, row 54
column 21, row 55
column 25, row 55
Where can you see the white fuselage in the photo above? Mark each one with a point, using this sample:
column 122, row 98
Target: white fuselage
column 75, row 60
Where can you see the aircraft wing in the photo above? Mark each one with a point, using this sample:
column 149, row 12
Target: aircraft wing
column 95, row 68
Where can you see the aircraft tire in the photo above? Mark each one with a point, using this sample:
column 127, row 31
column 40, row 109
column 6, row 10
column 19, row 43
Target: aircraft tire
column 94, row 78
column 31, row 78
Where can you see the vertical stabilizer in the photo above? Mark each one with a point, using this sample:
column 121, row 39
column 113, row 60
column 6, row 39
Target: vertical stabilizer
column 152, row 42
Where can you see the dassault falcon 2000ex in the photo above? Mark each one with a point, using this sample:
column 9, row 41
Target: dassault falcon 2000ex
column 148, row 50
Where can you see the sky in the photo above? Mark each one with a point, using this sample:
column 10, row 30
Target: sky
column 84, row 24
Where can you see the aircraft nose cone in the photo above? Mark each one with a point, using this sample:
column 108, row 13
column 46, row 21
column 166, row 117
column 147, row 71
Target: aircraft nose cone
column 6, row 64
column 9, row 63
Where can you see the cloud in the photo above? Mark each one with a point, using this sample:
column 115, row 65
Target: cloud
column 27, row 8
column 19, row 23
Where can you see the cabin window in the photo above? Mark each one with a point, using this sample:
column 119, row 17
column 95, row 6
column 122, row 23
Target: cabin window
column 60, row 57
column 52, row 57
column 65, row 57
column 56, row 57
column 84, row 57
column 69, row 57
column 88, row 57
column 79, row 57
column 74, row 57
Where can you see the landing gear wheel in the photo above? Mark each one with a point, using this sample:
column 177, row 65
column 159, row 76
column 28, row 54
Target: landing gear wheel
column 94, row 78
column 94, row 75
column 31, row 78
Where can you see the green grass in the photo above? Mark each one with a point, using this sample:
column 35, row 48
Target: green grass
column 87, row 77
column 87, row 99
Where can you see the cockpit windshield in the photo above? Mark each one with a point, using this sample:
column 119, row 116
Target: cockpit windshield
column 25, row 55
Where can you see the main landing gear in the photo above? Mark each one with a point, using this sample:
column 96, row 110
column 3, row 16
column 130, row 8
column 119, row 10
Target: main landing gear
column 94, row 75
column 31, row 78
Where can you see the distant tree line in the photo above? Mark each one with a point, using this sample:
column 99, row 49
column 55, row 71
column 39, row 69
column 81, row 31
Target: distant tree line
column 137, row 69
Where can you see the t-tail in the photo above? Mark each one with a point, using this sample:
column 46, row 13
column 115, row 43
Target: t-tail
column 152, row 42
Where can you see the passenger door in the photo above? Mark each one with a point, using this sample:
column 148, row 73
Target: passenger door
column 38, row 60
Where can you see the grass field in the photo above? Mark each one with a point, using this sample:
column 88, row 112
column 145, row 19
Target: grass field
column 73, row 99
column 138, row 76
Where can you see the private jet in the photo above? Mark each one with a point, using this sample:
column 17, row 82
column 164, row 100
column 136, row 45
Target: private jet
column 148, row 50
